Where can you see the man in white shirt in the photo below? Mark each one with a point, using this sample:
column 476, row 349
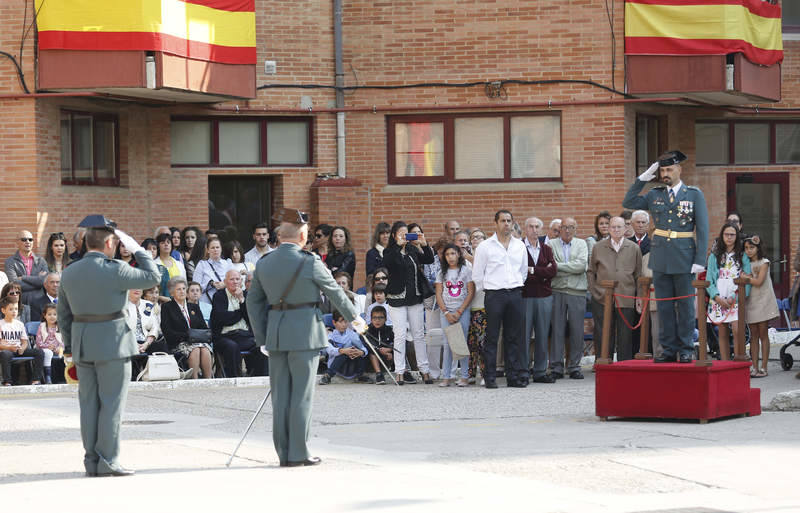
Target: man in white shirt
column 500, row 268
column 261, row 248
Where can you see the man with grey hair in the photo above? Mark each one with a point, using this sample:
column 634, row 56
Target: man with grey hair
column 26, row 268
column 569, row 299
column 48, row 294
column 553, row 231
column 640, row 220
column 537, row 296
column 616, row 259
column 451, row 228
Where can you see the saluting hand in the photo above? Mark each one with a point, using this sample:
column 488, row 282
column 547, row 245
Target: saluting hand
column 650, row 173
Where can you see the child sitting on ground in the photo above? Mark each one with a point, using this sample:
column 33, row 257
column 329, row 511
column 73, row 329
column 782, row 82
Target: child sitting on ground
column 14, row 342
column 381, row 337
column 48, row 339
column 379, row 295
column 346, row 353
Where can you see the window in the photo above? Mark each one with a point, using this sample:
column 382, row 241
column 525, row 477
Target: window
column 239, row 142
column 790, row 15
column 89, row 148
column 747, row 142
column 474, row 148
column 649, row 142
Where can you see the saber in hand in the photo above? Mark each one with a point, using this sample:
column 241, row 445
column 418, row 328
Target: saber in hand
column 378, row 355
column 252, row 421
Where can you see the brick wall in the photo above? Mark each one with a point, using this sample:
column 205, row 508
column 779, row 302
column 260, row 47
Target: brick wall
column 385, row 43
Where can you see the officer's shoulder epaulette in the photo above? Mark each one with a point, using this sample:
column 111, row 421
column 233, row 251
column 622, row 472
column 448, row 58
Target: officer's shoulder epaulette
column 306, row 252
column 694, row 188
column 266, row 255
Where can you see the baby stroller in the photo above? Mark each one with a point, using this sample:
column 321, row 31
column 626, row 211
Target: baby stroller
column 786, row 336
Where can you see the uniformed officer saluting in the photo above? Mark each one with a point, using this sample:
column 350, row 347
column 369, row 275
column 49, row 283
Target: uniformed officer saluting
column 677, row 251
column 289, row 281
column 91, row 297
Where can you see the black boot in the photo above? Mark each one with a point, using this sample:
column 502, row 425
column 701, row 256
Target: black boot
column 48, row 375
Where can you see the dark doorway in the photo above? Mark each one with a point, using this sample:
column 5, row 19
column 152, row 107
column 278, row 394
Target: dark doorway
column 236, row 203
column 763, row 201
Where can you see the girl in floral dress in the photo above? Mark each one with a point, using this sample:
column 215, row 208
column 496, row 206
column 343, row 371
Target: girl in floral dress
column 725, row 263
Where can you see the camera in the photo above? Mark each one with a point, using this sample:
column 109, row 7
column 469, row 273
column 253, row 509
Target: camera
column 412, row 236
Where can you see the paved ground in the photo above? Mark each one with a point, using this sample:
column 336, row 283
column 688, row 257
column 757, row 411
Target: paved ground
column 419, row 447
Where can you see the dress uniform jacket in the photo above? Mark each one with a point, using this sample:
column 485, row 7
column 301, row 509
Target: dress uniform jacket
column 96, row 286
column 687, row 214
column 299, row 329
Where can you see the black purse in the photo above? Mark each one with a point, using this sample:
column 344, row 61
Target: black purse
column 426, row 288
column 199, row 336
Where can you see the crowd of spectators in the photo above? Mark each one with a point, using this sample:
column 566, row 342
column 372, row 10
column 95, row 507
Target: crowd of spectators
column 416, row 287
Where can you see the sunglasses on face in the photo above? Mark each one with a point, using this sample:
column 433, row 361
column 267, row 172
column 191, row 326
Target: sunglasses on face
column 26, row 239
column 13, row 293
column 318, row 235
column 381, row 278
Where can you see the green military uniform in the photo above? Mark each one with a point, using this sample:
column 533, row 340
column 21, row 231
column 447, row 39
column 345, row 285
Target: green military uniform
column 92, row 289
column 672, row 255
column 293, row 336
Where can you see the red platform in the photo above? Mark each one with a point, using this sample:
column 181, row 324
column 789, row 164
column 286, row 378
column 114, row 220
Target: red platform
column 643, row 389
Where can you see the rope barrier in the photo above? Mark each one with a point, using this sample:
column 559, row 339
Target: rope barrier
column 645, row 302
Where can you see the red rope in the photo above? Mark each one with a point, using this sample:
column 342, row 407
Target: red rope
column 657, row 299
column 646, row 300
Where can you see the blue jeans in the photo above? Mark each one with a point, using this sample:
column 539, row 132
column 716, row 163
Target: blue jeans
column 448, row 365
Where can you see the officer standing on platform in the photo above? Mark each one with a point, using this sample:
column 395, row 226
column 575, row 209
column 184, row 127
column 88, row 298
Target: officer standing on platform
column 677, row 251
column 283, row 302
column 93, row 292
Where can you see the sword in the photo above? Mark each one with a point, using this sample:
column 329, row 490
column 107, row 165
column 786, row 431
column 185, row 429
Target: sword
column 379, row 358
column 252, row 421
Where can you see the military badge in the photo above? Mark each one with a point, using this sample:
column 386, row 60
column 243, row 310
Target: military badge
column 685, row 207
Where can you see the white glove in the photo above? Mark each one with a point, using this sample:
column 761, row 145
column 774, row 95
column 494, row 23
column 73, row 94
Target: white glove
column 128, row 241
column 697, row 268
column 359, row 325
column 650, row 173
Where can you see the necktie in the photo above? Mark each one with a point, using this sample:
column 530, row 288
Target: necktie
column 671, row 196
column 55, row 301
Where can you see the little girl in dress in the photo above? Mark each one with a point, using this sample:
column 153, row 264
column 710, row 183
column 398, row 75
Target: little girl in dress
column 48, row 339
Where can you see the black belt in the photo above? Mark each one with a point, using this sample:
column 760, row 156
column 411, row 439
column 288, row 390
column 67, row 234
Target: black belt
column 98, row 318
column 286, row 306
column 504, row 290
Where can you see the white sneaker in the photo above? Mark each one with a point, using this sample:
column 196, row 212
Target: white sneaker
column 483, row 382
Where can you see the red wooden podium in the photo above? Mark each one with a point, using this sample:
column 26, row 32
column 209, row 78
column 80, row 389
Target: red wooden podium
column 643, row 389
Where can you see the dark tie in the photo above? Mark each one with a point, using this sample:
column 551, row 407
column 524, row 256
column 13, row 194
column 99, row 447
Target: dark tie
column 55, row 301
column 671, row 196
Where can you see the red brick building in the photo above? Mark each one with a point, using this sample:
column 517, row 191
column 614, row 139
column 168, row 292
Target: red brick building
column 505, row 104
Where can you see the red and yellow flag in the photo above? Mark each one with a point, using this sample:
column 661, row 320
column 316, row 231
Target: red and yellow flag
column 210, row 30
column 704, row 27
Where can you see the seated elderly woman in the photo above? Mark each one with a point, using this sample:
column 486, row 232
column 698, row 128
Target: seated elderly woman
column 143, row 322
column 177, row 317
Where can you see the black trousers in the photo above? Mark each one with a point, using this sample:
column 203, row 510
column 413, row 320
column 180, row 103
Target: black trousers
column 230, row 345
column 38, row 363
column 504, row 308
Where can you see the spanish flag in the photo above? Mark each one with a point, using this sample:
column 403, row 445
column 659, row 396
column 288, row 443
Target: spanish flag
column 704, row 27
column 211, row 30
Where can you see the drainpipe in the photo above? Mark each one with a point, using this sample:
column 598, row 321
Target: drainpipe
column 341, row 168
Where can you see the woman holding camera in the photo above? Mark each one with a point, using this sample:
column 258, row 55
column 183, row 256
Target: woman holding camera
column 407, row 288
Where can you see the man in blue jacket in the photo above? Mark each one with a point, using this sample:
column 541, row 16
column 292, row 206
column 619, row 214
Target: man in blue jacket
column 677, row 251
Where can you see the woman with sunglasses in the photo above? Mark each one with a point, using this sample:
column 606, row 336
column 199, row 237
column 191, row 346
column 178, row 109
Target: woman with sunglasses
column 56, row 254
column 13, row 291
column 319, row 244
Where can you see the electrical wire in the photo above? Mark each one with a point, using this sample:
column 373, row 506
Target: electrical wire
column 483, row 83
column 19, row 71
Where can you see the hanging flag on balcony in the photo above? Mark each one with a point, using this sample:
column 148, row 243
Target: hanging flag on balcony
column 210, row 30
column 704, row 27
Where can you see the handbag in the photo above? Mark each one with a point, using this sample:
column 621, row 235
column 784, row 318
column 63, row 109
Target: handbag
column 456, row 340
column 160, row 367
column 199, row 336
